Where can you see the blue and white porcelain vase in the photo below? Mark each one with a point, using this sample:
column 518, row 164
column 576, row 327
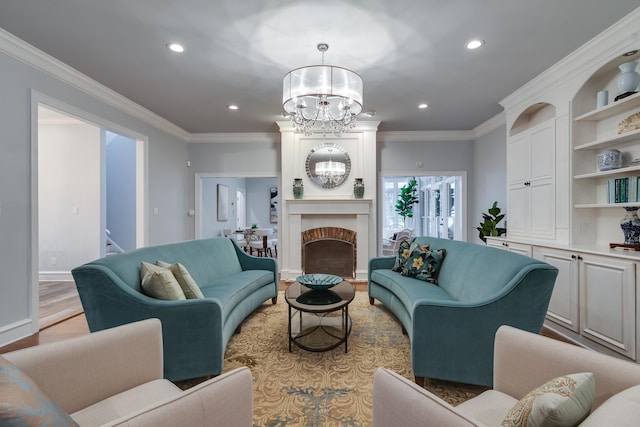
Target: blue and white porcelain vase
column 630, row 225
column 629, row 79
column 609, row 159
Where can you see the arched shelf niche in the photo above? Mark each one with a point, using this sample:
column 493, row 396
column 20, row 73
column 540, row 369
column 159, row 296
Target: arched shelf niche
column 532, row 116
column 605, row 78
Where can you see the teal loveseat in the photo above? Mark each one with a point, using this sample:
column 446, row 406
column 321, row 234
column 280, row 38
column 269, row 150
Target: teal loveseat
column 195, row 332
column 452, row 325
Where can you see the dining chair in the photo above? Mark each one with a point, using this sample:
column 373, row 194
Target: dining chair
column 265, row 244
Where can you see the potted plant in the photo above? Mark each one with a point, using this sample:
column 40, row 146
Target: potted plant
column 406, row 199
column 489, row 225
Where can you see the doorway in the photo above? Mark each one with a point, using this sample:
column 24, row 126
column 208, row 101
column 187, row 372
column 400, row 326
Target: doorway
column 73, row 189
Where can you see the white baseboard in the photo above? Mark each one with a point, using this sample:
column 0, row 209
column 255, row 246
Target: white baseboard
column 55, row 276
column 17, row 331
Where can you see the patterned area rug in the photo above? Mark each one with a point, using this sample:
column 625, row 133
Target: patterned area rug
column 330, row 388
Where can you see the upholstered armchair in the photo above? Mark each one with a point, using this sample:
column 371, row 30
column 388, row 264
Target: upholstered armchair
column 114, row 377
column 391, row 246
column 523, row 362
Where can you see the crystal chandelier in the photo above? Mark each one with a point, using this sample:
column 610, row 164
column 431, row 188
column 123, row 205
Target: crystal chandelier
column 330, row 171
column 322, row 98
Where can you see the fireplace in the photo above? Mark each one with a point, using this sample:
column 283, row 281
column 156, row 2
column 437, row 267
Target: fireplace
column 328, row 208
column 345, row 225
column 329, row 250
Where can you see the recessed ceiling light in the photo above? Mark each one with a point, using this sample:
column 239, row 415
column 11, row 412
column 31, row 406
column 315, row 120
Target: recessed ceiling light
column 175, row 47
column 233, row 107
column 422, row 106
column 474, row 44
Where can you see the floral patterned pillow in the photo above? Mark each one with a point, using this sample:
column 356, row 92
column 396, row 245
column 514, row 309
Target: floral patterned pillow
column 563, row 401
column 404, row 252
column 23, row 404
column 424, row 264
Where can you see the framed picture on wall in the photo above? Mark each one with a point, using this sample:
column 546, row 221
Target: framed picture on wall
column 273, row 205
column 223, row 202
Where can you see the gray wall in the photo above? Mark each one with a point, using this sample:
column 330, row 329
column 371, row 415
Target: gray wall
column 121, row 190
column 401, row 158
column 167, row 186
column 237, row 159
column 489, row 178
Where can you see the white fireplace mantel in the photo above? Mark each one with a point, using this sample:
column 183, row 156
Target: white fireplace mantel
column 321, row 207
column 329, row 206
column 306, row 214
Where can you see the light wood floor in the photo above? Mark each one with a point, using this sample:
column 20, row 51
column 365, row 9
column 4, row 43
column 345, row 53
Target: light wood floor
column 58, row 301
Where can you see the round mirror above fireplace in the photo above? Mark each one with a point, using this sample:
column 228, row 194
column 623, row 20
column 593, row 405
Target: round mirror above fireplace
column 328, row 165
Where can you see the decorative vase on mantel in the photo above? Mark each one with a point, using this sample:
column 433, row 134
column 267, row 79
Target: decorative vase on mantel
column 358, row 188
column 298, row 188
column 629, row 78
column 630, row 225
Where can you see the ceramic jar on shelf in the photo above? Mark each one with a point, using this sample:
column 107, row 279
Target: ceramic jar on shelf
column 629, row 78
column 298, row 188
column 609, row 159
column 358, row 188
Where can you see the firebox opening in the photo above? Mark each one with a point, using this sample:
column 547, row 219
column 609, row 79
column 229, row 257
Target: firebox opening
column 329, row 250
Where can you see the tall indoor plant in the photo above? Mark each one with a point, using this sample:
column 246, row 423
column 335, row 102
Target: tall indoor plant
column 489, row 225
column 406, row 199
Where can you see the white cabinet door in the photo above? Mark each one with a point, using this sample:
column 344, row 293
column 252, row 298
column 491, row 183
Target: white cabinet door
column 564, row 304
column 608, row 295
column 530, row 169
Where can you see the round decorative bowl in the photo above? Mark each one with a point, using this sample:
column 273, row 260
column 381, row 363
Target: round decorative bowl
column 319, row 281
column 609, row 159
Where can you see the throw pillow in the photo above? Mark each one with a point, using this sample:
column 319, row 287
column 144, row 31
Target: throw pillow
column 404, row 252
column 563, row 401
column 22, row 403
column 189, row 286
column 425, row 265
column 620, row 410
column 160, row 283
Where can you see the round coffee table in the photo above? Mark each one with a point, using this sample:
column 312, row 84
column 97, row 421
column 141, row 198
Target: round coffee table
column 319, row 319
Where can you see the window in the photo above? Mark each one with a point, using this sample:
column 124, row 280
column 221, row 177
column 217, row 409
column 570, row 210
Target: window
column 437, row 213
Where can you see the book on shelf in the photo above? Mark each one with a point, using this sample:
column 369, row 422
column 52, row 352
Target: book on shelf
column 623, row 190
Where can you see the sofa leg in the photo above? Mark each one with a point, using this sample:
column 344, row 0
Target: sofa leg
column 420, row 381
column 404, row 331
column 371, row 300
column 238, row 329
column 274, row 300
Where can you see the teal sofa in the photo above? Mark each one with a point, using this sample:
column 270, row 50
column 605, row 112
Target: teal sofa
column 195, row 332
column 452, row 325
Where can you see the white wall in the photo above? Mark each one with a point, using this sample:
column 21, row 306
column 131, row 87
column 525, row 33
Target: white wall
column 68, row 197
column 489, row 178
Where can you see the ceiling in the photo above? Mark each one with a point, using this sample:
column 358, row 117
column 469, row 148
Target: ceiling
column 238, row 51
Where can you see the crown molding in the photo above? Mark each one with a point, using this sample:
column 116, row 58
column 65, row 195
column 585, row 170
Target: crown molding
column 491, row 124
column 41, row 61
column 615, row 40
column 424, row 136
column 234, row 138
